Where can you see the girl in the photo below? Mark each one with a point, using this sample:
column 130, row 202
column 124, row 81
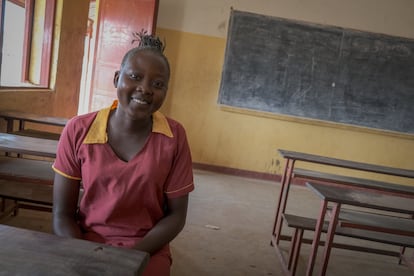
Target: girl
column 134, row 165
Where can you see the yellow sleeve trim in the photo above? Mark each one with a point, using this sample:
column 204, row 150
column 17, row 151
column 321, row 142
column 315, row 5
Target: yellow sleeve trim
column 183, row 188
column 65, row 175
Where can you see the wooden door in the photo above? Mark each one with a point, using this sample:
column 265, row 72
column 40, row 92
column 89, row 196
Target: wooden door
column 116, row 21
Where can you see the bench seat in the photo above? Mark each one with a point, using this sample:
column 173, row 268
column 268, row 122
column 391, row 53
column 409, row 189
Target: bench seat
column 26, row 170
column 25, row 195
column 28, row 192
column 37, row 134
column 300, row 224
column 376, row 222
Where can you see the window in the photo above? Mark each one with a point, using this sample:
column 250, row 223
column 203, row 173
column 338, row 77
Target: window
column 26, row 42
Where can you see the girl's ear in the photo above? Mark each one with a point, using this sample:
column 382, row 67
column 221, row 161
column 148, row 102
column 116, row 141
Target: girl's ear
column 116, row 78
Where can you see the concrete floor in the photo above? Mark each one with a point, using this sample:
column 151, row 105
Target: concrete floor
column 229, row 227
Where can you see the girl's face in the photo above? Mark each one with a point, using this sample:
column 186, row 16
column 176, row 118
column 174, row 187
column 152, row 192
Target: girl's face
column 142, row 84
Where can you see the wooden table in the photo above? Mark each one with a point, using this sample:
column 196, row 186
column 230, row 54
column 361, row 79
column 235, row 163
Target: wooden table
column 28, row 145
column 340, row 195
column 26, row 252
column 22, row 117
column 293, row 156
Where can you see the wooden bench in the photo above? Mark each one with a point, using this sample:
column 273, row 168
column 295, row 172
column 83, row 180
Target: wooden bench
column 27, row 182
column 300, row 224
column 376, row 222
column 22, row 117
column 25, row 195
column 353, row 181
column 26, row 170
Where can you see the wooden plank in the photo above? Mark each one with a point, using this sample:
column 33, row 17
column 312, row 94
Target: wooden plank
column 376, row 222
column 35, row 118
column 37, row 134
column 26, row 252
column 28, row 192
column 28, row 145
column 358, row 182
column 363, row 198
column 387, row 238
column 346, row 163
column 26, row 170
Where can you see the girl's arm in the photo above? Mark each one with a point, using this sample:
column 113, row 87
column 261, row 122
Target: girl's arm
column 65, row 204
column 167, row 228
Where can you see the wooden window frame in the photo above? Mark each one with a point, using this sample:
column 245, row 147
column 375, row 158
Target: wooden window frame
column 45, row 58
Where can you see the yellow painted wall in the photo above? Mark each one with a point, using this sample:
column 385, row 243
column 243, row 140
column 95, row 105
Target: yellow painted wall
column 250, row 141
column 195, row 32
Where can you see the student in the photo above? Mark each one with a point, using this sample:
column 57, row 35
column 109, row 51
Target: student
column 133, row 162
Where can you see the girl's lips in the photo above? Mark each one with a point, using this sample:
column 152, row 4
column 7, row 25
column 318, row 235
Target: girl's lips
column 139, row 101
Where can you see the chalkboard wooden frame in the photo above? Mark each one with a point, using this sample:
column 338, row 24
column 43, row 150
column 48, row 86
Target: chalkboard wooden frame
column 318, row 72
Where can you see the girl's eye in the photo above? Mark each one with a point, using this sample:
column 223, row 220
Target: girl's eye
column 158, row 84
column 134, row 76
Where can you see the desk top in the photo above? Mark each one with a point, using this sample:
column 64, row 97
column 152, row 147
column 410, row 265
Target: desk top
column 346, row 163
column 26, row 252
column 35, row 118
column 28, row 145
column 363, row 198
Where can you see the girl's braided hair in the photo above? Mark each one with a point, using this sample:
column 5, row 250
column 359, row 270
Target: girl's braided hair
column 146, row 42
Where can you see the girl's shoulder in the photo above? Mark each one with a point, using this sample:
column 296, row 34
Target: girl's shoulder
column 81, row 123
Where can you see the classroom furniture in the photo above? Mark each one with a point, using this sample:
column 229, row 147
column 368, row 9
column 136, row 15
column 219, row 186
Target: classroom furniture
column 28, row 145
column 293, row 156
column 22, row 117
column 25, row 195
column 34, row 176
column 27, row 252
column 343, row 195
column 301, row 224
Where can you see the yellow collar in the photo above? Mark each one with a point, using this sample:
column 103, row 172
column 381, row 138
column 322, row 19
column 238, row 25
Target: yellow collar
column 97, row 132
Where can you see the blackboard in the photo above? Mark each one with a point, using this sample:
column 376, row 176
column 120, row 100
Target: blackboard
column 318, row 72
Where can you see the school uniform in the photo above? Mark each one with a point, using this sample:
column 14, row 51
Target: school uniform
column 122, row 200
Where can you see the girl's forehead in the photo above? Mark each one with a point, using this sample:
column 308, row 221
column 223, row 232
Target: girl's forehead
column 147, row 60
column 146, row 56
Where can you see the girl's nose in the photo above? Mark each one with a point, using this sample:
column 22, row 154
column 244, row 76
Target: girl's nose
column 144, row 87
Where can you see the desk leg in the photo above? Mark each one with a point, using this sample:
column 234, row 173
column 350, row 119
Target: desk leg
column 9, row 129
column 281, row 206
column 316, row 238
column 330, row 236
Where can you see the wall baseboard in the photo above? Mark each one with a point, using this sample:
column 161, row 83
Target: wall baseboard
column 243, row 173
column 237, row 172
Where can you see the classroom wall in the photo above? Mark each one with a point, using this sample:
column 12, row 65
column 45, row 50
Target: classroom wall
column 62, row 100
column 195, row 32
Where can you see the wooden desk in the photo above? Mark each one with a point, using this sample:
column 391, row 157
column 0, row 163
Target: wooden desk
column 23, row 117
column 292, row 156
column 26, row 252
column 339, row 195
column 28, row 145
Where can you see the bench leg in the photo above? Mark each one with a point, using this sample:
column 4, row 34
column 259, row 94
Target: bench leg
column 7, row 211
column 402, row 250
column 16, row 209
column 295, row 250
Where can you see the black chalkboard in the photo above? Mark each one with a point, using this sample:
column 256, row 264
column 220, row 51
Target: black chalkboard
column 318, row 72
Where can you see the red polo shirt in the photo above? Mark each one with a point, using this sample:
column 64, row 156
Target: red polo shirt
column 122, row 200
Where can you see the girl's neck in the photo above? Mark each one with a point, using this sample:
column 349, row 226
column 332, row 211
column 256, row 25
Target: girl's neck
column 122, row 123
